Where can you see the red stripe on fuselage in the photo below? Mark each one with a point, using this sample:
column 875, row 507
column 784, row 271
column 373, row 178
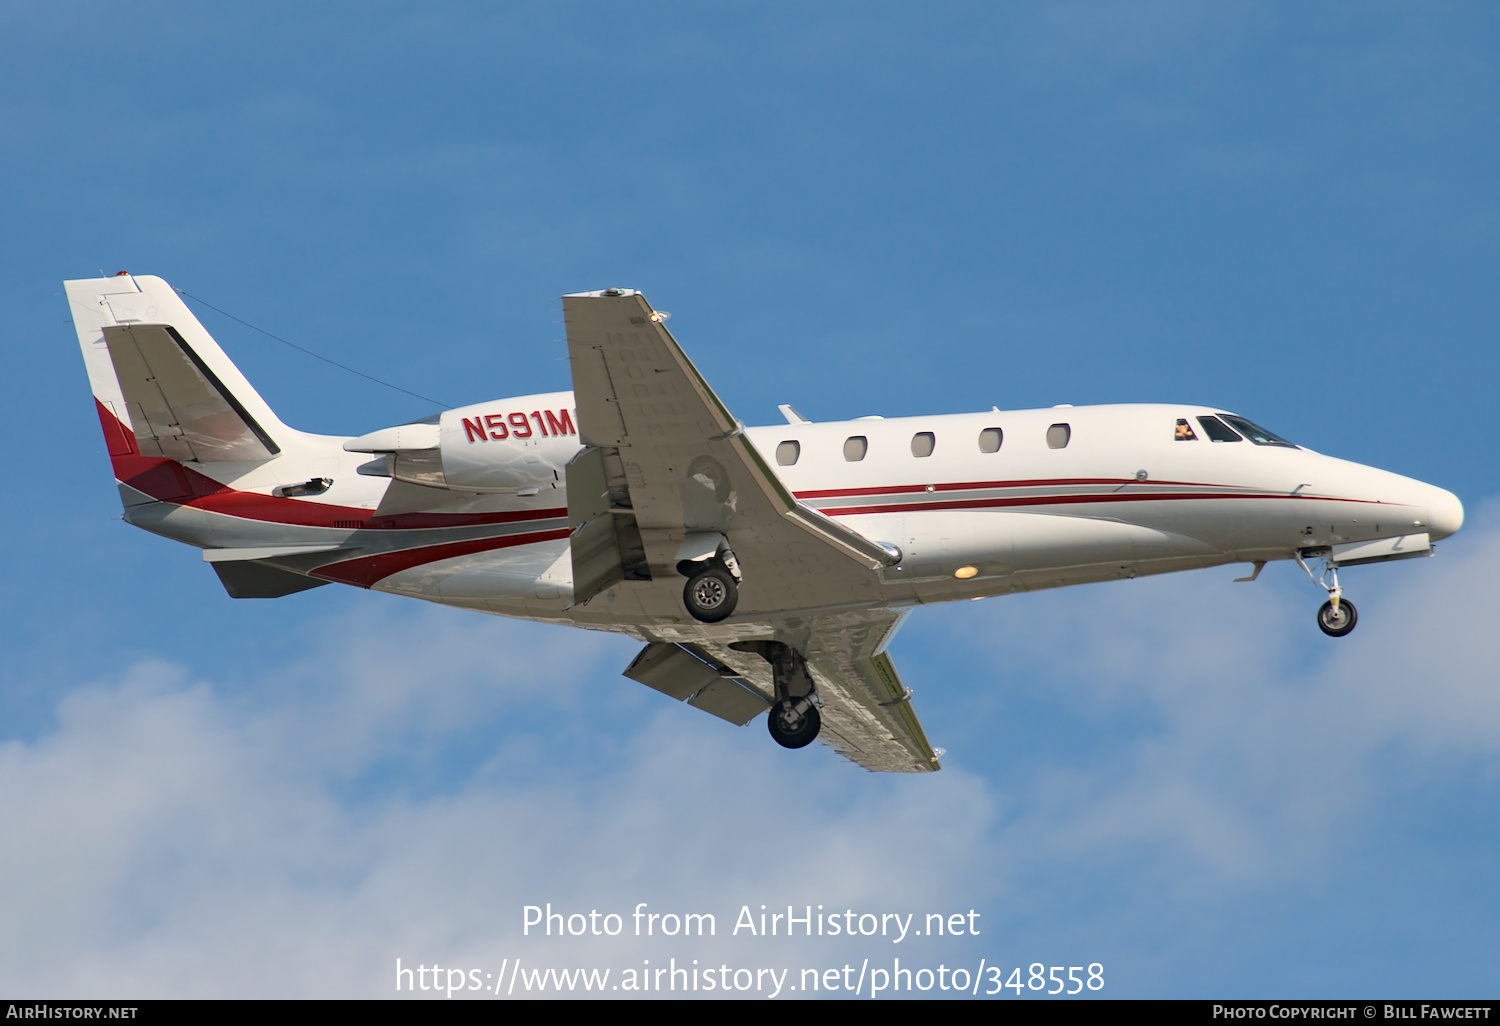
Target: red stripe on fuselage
column 368, row 570
column 167, row 480
column 967, row 486
column 1058, row 500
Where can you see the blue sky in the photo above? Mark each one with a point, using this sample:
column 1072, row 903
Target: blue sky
column 855, row 208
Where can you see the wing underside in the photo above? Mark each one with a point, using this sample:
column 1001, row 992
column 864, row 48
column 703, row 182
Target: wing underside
column 666, row 466
column 866, row 710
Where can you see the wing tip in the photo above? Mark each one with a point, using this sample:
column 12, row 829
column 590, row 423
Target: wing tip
column 611, row 293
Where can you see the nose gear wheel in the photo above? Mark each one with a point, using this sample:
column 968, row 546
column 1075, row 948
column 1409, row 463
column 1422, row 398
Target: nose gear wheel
column 1336, row 621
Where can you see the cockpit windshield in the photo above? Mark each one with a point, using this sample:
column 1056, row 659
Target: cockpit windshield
column 1217, row 430
column 1256, row 433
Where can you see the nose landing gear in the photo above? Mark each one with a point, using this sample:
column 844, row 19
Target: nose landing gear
column 1336, row 617
column 1337, row 620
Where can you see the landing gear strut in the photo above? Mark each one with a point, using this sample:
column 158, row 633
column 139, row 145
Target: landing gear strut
column 794, row 720
column 1337, row 616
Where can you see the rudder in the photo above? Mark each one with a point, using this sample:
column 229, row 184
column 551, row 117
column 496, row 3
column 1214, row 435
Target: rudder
column 162, row 385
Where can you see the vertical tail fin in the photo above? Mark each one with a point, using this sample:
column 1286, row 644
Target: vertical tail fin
column 162, row 385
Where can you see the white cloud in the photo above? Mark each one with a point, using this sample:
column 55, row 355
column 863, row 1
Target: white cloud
column 406, row 790
column 166, row 840
column 1260, row 743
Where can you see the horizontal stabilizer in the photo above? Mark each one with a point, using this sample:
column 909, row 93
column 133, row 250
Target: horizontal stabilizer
column 419, row 435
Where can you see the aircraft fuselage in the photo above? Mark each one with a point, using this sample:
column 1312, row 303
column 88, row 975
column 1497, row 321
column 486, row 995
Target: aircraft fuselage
column 1121, row 496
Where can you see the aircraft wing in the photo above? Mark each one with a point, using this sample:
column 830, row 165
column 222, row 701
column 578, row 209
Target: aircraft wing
column 691, row 471
column 866, row 711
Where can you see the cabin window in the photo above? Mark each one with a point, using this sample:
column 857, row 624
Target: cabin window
column 1184, row 431
column 1217, row 430
column 1058, row 436
column 855, row 448
column 787, row 453
column 922, row 443
column 1256, row 433
column 990, row 439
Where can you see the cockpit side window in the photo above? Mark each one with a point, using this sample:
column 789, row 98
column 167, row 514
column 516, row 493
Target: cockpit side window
column 1184, row 431
column 1256, row 433
column 1217, row 430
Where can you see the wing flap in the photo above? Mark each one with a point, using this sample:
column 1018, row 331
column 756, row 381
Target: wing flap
column 689, row 674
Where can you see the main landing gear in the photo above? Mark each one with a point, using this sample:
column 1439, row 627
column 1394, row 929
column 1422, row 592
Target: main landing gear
column 1337, row 616
column 793, row 720
column 710, row 595
column 794, row 724
column 713, row 587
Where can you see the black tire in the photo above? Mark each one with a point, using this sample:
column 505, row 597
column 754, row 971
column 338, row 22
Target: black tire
column 1336, row 625
column 711, row 595
column 793, row 733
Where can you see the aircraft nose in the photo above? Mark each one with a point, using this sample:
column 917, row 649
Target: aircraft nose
column 1445, row 514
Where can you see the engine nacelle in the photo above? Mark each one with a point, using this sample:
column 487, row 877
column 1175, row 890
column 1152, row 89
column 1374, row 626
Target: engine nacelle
column 508, row 445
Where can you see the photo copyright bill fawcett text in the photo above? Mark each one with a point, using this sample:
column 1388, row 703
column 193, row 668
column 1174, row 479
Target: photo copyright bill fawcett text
column 1402, row 1010
column 531, row 975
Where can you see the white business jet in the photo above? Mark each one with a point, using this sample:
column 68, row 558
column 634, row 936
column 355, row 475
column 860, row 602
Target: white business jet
column 766, row 568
